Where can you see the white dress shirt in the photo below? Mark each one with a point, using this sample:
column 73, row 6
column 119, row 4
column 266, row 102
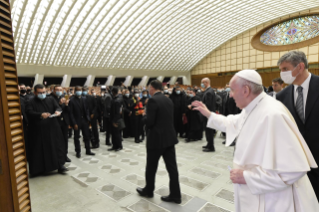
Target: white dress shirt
column 305, row 86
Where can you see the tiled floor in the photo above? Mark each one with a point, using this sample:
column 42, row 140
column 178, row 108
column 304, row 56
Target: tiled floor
column 107, row 181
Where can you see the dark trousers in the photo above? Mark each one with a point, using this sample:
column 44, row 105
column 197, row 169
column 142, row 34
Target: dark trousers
column 137, row 127
column 84, row 127
column 65, row 130
column 313, row 176
column 210, row 134
column 107, row 126
column 116, row 138
column 127, row 130
column 169, row 156
column 70, row 132
column 95, row 130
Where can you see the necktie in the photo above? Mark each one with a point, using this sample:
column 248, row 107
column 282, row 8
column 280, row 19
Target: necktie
column 299, row 104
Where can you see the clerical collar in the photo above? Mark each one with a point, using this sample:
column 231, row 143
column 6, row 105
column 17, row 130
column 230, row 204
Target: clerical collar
column 253, row 103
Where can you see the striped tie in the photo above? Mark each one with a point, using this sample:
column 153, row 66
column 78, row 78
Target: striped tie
column 299, row 104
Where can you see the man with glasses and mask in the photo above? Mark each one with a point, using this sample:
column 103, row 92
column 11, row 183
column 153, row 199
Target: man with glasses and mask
column 80, row 118
column 47, row 152
column 64, row 119
column 301, row 98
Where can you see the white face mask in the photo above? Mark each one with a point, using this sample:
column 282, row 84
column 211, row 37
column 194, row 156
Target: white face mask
column 287, row 77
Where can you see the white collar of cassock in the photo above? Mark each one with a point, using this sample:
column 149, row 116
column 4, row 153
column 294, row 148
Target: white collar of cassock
column 254, row 103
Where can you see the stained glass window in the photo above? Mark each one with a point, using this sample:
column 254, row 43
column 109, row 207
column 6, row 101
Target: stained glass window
column 292, row 31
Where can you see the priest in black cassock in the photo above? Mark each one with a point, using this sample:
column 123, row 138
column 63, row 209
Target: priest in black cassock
column 46, row 140
column 179, row 101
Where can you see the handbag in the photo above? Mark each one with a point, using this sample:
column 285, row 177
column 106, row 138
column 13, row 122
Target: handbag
column 120, row 124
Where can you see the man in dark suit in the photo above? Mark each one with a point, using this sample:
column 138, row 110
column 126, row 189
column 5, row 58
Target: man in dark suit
column 115, row 115
column 63, row 119
column 209, row 99
column 302, row 100
column 277, row 85
column 92, row 106
column 80, row 117
column 161, row 140
column 106, row 100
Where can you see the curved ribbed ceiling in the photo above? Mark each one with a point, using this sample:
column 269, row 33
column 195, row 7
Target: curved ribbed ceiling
column 135, row 34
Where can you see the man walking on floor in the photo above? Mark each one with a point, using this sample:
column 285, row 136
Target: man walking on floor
column 161, row 140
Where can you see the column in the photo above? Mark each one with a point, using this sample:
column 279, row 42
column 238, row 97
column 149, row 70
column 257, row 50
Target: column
column 110, row 80
column 160, row 78
column 89, row 80
column 66, row 81
column 144, row 81
column 128, row 81
column 38, row 79
column 173, row 80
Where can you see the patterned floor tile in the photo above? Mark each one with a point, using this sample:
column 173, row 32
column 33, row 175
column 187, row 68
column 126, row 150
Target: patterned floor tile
column 135, row 179
column 223, row 157
column 228, row 153
column 193, row 183
column 146, row 206
column 208, row 207
column 90, row 160
column 71, row 166
column 109, row 155
column 226, row 195
column 129, row 161
column 114, row 192
column 164, row 191
column 127, row 150
column 215, row 164
column 86, row 177
column 111, row 169
column 185, row 157
column 160, row 172
column 205, row 172
column 141, row 154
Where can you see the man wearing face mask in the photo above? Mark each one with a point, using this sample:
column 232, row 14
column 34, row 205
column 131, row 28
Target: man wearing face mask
column 137, row 116
column 128, row 109
column 92, row 104
column 80, row 118
column 209, row 99
column 64, row 120
column 301, row 98
column 29, row 93
column 179, row 100
column 106, row 101
column 23, row 93
column 47, row 151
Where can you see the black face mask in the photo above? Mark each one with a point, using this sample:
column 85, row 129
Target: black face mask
column 28, row 90
column 23, row 91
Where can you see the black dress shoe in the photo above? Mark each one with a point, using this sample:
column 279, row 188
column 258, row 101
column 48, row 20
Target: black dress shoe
column 111, row 149
column 118, row 149
column 90, row 153
column 224, row 142
column 95, row 146
column 142, row 192
column 170, row 199
column 108, row 143
column 62, row 169
column 78, row 154
column 187, row 140
column 68, row 160
column 204, row 147
column 208, row 150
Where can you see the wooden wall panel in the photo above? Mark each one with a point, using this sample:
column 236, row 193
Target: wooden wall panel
column 12, row 121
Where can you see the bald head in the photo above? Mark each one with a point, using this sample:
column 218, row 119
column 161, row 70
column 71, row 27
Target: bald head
column 205, row 83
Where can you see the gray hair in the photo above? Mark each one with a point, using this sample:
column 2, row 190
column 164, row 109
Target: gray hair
column 255, row 88
column 294, row 57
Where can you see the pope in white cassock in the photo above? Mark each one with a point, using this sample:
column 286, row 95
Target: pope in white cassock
column 271, row 157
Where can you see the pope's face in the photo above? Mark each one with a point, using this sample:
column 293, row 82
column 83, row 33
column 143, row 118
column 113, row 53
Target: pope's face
column 237, row 92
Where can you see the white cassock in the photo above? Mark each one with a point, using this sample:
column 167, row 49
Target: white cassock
column 274, row 156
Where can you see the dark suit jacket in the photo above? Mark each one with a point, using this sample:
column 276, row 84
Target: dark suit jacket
column 209, row 99
column 91, row 103
column 159, row 122
column 76, row 113
column 116, row 105
column 65, row 111
column 309, row 130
